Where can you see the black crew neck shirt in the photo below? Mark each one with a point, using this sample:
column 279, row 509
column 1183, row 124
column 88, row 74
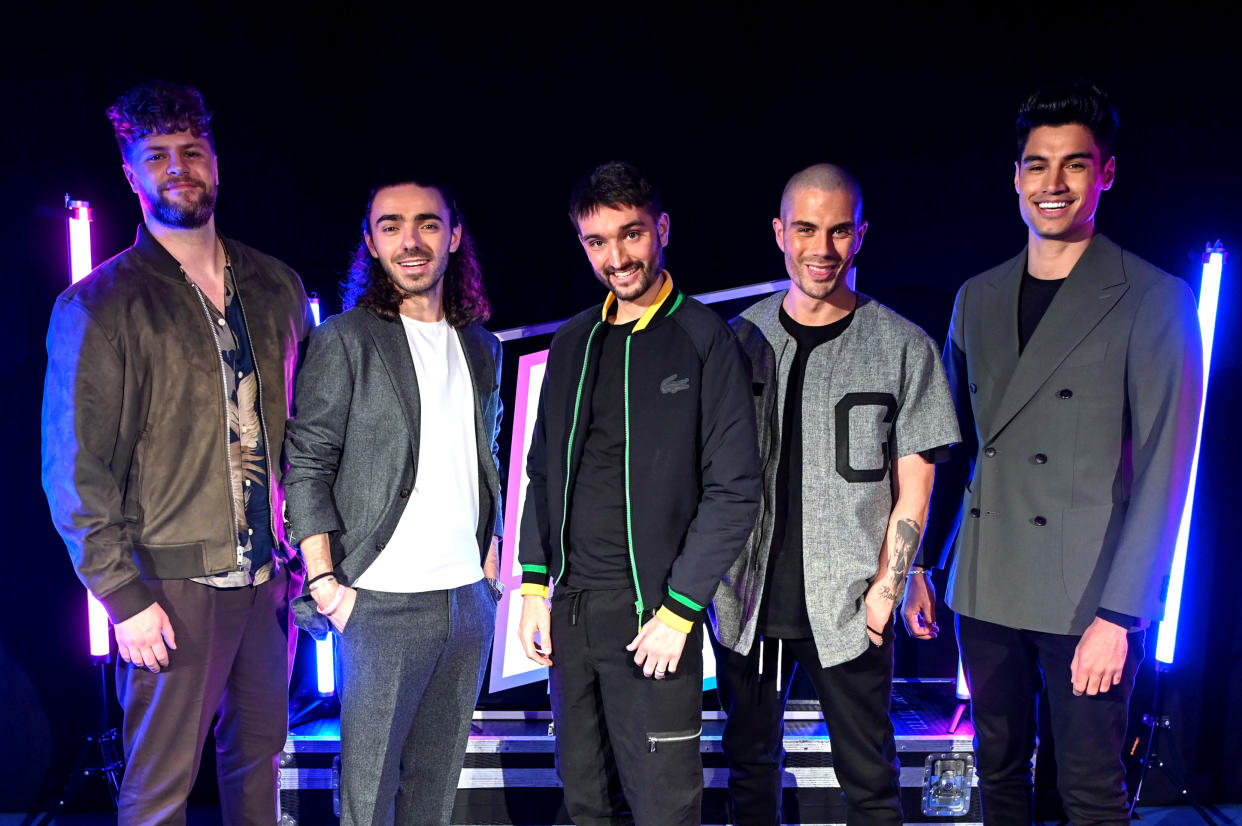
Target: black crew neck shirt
column 1033, row 300
column 782, row 610
column 598, row 556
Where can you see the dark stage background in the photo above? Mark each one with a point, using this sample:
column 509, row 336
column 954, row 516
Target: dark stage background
column 721, row 110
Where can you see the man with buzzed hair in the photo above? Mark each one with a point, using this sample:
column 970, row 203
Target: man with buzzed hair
column 853, row 410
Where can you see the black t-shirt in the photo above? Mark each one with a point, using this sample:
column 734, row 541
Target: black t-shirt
column 1033, row 301
column 782, row 611
column 598, row 555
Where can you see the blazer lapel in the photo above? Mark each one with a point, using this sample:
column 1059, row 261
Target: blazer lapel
column 481, row 366
column 1091, row 290
column 1000, row 308
column 394, row 350
column 480, row 381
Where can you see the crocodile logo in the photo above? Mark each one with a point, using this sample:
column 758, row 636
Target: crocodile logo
column 672, row 384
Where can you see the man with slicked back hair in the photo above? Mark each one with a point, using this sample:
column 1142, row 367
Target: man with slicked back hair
column 1077, row 372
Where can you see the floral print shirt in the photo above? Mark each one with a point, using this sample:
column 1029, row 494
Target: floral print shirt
column 247, row 454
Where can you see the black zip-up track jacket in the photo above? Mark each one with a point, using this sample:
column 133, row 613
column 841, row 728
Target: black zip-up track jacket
column 692, row 481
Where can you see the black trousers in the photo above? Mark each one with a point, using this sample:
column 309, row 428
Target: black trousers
column 855, row 700
column 627, row 746
column 1006, row 668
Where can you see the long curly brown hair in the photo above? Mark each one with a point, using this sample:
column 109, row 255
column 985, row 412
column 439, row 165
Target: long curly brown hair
column 465, row 299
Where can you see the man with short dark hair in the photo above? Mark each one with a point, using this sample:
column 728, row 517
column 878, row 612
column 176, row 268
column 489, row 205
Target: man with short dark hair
column 170, row 371
column 1077, row 372
column 644, row 481
column 853, row 411
column 394, row 496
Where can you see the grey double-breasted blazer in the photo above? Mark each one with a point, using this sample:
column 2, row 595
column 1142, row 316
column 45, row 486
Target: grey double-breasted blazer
column 352, row 445
column 1078, row 452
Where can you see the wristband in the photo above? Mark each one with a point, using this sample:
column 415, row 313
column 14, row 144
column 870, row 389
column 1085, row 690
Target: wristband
column 315, row 580
column 914, row 571
column 334, row 604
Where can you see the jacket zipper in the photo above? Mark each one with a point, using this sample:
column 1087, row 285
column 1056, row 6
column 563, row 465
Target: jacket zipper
column 224, row 386
column 267, row 444
column 629, row 528
column 569, row 451
column 657, row 737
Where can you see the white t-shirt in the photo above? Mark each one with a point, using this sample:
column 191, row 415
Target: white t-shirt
column 434, row 546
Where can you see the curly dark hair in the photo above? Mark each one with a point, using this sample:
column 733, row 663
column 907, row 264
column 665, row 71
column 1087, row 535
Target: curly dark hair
column 367, row 285
column 159, row 108
column 614, row 184
column 1077, row 102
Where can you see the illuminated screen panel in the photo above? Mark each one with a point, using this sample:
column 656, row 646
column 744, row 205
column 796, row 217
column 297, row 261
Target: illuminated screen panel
column 510, row 666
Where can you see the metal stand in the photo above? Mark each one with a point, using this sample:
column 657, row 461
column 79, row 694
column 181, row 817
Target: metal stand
column 101, row 755
column 1169, row 763
column 957, row 716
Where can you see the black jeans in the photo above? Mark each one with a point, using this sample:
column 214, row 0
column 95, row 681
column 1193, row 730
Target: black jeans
column 627, row 746
column 1006, row 668
column 855, row 700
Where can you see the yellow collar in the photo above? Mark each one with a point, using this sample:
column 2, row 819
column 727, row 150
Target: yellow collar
column 666, row 289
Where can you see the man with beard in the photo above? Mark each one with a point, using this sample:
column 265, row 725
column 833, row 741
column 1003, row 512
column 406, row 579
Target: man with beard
column 644, row 481
column 394, row 496
column 170, row 371
column 853, row 409
column 1077, row 369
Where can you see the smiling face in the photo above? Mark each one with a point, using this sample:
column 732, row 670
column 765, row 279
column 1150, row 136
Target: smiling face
column 820, row 232
column 175, row 177
column 626, row 250
column 1059, row 179
column 410, row 233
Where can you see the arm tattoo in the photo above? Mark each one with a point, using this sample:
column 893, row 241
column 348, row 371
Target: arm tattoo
column 905, row 544
column 888, row 594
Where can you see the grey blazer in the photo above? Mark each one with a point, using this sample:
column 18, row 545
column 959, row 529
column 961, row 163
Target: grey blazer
column 352, row 446
column 1081, row 446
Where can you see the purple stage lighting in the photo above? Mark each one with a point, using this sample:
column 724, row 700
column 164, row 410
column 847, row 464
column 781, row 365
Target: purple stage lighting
column 79, row 267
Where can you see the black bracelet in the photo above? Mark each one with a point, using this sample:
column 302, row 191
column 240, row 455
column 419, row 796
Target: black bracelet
column 315, row 579
column 879, row 634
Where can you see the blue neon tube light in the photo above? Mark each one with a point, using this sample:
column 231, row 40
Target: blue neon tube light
column 1209, row 297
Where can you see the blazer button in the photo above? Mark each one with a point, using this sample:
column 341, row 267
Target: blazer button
column 974, row 388
column 1040, row 459
column 1039, row 521
column 989, row 451
column 379, row 546
column 974, row 513
column 1066, row 393
column 405, row 492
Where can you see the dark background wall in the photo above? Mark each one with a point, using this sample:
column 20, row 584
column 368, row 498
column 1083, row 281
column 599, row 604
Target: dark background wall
column 918, row 103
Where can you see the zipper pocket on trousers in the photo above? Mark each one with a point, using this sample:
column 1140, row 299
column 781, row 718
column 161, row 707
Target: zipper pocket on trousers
column 655, row 738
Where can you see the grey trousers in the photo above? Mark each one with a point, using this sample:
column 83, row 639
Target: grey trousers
column 411, row 669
